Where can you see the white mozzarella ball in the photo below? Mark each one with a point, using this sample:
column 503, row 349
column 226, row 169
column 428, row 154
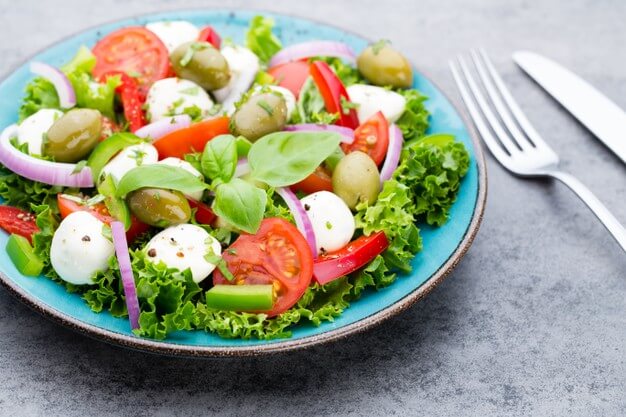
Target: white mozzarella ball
column 184, row 246
column 331, row 219
column 372, row 99
column 129, row 158
column 33, row 129
column 80, row 249
column 290, row 99
column 174, row 33
column 244, row 65
column 177, row 162
column 171, row 96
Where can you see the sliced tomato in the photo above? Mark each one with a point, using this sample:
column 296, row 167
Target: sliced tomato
column 132, row 103
column 277, row 254
column 100, row 212
column 204, row 213
column 334, row 93
column 133, row 50
column 372, row 138
column 291, row 75
column 17, row 221
column 192, row 138
column 355, row 255
column 319, row 180
column 210, row 35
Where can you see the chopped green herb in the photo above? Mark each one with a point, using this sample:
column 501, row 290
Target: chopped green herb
column 379, row 45
column 79, row 166
column 329, row 225
column 347, row 105
column 191, row 91
column 212, row 258
column 106, row 232
column 192, row 49
column 265, row 106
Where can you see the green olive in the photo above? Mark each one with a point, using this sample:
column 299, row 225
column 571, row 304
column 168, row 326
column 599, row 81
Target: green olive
column 384, row 66
column 158, row 207
column 356, row 179
column 201, row 63
column 73, row 135
column 262, row 114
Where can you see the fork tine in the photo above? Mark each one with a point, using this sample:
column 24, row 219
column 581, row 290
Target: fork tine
column 501, row 134
column 493, row 145
column 502, row 110
column 519, row 115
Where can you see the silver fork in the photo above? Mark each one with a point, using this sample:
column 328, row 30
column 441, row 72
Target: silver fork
column 511, row 138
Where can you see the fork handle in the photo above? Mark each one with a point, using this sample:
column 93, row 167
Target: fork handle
column 606, row 217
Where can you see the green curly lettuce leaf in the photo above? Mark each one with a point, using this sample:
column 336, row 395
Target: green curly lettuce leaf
column 261, row 40
column 21, row 192
column 414, row 121
column 40, row 94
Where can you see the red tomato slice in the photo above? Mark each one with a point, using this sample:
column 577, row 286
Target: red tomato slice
column 133, row 50
column 319, row 180
column 291, row 75
column 277, row 254
column 17, row 221
column 131, row 100
column 333, row 92
column 350, row 258
column 204, row 213
column 372, row 138
column 192, row 138
column 100, row 212
column 210, row 35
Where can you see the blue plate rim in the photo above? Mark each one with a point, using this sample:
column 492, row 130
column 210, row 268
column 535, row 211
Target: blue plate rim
column 169, row 349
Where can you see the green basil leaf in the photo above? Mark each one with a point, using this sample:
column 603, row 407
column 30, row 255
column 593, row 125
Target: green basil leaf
column 240, row 204
column 219, row 158
column 159, row 176
column 116, row 205
column 284, row 158
column 243, row 146
column 107, row 149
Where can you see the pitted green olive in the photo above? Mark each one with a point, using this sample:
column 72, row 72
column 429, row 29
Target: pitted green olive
column 356, row 179
column 158, row 207
column 73, row 135
column 384, row 66
column 260, row 115
column 201, row 63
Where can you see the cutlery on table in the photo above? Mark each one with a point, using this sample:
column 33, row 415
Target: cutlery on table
column 515, row 143
column 593, row 109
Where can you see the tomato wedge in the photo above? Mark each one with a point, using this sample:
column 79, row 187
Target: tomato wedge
column 291, row 75
column 277, row 254
column 210, row 35
column 333, row 92
column 355, row 255
column 131, row 100
column 319, row 180
column 100, row 212
column 192, row 138
column 133, row 50
column 204, row 213
column 17, row 221
column 372, row 138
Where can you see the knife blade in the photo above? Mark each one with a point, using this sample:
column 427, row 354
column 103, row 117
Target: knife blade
column 605, row 119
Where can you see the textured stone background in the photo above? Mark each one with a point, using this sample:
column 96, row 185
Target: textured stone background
column 533, row 322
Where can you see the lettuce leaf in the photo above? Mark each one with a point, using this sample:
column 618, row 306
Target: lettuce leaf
column 40, row 94
column 414, row 121
column 21, row 192
column 261, row 40
column 94, row 95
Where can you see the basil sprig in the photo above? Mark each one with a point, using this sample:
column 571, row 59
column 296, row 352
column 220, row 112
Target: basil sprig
column 159, row 176
column 219, row 158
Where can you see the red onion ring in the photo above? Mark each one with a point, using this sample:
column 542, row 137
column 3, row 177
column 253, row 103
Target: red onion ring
column 310, row 49
column 243, row 168
column 47, row 172
column 62, row 85
column 393, row 153
column 163, row 127
column 347, row 134
column 303, row 223
column 126, row 271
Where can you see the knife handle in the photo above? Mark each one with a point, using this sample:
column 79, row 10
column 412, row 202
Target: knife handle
column 606, row 217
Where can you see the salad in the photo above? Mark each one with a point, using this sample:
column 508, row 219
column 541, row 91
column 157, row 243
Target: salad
column 187, row 182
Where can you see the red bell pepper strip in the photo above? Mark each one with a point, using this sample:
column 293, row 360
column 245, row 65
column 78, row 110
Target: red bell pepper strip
column 131, row 99
column 210, row 35
column 355, row 255
column 204, row 213
column 17, row 221
column 333, row 92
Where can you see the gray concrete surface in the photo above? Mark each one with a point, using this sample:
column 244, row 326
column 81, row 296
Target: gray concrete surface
column 533, row 321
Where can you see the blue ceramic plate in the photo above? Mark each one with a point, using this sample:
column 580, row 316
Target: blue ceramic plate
column 443, row 247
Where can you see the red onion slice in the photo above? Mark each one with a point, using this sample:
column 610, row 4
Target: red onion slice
column 393, row 153
column 126, row 271
column 243, row 168
column 47, row 172
column 347, row 134
column 303, row 223
column 311, row 49
column 160, row 128
column 62, row 85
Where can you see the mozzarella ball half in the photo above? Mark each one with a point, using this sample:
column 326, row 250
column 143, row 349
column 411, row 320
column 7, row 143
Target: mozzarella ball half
column 332, row 220
column 34, row 127
column 129, row 158
column 174, row 33
column 372, row 99
column 171, row 96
